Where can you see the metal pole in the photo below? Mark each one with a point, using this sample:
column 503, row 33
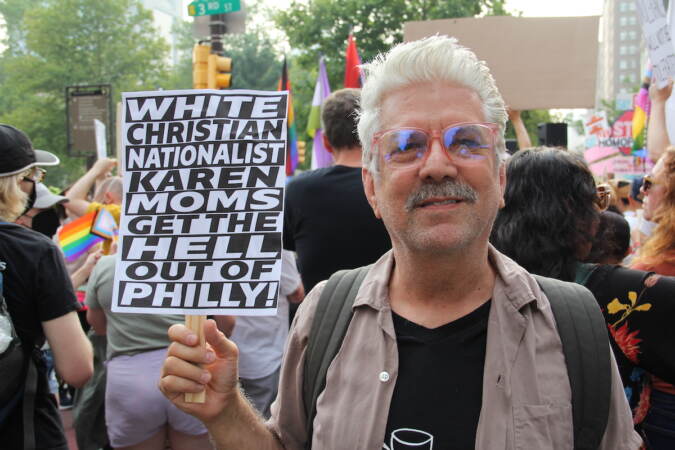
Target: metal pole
column 218, row 29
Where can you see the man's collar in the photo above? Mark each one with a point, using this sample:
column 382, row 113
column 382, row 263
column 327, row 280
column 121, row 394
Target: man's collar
column 512, row 282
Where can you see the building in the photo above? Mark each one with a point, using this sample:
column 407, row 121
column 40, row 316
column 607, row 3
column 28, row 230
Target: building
column 622, row 51
column 166, row 14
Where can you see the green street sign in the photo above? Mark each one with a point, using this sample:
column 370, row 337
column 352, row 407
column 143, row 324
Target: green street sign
column 208, row 7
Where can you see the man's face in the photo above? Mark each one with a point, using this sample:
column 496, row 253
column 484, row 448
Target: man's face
column 442, row 204
column 655, row 194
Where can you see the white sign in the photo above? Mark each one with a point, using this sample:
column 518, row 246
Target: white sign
column 596, row 127
column 101, row 146
column 657, row 35
column 203, row 206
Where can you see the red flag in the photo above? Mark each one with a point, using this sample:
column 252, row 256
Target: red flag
column 353, row 77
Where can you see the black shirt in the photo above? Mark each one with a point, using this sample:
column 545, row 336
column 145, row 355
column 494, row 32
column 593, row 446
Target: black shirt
column 37, row 288
column 329, row 223
column 437, row 398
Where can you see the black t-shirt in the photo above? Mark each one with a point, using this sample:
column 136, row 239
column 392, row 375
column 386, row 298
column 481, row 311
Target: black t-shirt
column 37, row 288
column 437, row 397
column 329, row 223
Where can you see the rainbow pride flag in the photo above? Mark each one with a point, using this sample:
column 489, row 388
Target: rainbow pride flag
column 641, row 110
column 75, row 238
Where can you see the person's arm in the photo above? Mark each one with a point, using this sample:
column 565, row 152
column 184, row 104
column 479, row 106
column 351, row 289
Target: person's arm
column 77, row 194
column 297, row 295
column 82, row 274
column 657, row 131
column 230, row 419
column 97, row 320
column 72, row 350
column 519, row 127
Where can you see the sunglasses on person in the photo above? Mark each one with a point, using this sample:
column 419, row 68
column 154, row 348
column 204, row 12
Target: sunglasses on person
column 603, row 196
column 34, row 174
column 647, row 183
column 463, row 142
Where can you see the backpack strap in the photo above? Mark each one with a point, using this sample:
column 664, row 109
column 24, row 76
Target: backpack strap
column 331, row 320
column 583, row 333
column 28, row 410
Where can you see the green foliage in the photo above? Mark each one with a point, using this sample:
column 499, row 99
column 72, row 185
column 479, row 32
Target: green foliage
column 531, row 119
column 73, row 42
column 321, row 27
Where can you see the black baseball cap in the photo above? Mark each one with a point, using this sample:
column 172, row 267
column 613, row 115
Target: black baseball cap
column 17, row 153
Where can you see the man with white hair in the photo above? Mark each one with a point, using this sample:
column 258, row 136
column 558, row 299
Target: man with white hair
column 451, row 345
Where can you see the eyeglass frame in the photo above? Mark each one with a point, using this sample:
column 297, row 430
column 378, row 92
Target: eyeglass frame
column 648, row 183
column 431, row 136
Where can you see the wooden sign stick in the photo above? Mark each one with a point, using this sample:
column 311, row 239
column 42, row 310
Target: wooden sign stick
column 196, row 324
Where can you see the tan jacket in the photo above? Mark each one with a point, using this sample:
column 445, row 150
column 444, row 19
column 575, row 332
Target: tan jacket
column 526, row 392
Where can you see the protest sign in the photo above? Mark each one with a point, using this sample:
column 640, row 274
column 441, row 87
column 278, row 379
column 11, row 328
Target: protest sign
column 595, row 127
column 101, row 144
column 611, row 149
column 202, row 213
column 537, row 62
column 657, row 36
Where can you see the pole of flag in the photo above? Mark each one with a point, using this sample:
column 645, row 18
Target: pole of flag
column 292, row 134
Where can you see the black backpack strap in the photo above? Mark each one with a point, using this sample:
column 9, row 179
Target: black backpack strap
column 331, row 320
column 29, row 394
column 583, row 333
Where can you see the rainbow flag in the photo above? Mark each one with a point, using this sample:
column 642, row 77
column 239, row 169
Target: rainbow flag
column 292, row 133
column 641, row 109
column 75, row 238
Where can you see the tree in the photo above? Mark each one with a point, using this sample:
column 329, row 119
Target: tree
column 321, row 27
column 71, row 42
column 531, row 119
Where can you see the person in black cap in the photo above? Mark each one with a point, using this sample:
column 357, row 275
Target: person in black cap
column 39, row 297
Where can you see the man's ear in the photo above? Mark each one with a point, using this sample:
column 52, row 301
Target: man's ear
column 502, row 184
column 369, row 189
column 326, row 144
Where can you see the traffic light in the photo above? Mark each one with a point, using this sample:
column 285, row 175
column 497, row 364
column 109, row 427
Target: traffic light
column 200, row 65
column 219, row 68
column 301, row 152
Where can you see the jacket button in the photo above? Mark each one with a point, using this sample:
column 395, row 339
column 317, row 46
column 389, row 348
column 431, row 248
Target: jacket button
column 384, row 377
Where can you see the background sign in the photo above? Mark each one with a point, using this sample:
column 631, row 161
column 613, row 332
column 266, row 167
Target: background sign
column 84, row 104
column 657, row 36
column 537, row 62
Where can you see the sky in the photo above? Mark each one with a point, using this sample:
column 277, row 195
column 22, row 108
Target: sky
column 555, row 8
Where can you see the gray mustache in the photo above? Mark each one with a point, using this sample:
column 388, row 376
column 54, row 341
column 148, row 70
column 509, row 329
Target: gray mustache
column 449, row 188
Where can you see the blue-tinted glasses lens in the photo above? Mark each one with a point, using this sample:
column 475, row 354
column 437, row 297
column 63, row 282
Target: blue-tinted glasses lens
column 468, row 141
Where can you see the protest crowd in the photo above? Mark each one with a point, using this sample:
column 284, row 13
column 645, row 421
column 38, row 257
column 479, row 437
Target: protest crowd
column 423, row 287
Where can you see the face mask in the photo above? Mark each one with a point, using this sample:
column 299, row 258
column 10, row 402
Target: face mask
column 31, row 199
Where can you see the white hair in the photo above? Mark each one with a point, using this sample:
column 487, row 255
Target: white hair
column 436, row 58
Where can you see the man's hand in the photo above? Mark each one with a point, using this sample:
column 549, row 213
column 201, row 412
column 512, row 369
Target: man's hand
column 191, row 368
column 103, row 167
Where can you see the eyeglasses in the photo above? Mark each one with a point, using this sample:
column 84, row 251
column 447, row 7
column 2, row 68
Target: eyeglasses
column 36, row 174
column 648, row 183
column 466, row 143
column 603, row 195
